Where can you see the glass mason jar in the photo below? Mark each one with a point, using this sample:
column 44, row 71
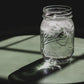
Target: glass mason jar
column 57, row 34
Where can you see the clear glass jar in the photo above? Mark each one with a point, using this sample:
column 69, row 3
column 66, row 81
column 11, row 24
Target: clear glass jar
column 57, row 34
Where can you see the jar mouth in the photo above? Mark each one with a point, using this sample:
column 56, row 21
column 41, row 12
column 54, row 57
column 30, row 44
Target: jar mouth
column 55, row 11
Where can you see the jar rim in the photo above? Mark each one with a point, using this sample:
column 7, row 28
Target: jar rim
column 59, row 10
column 67, row 8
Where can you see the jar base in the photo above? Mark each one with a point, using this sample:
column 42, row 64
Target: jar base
column 58, row 61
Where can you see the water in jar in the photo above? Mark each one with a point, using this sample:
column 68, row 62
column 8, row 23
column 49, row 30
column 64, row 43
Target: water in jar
column 57, row 37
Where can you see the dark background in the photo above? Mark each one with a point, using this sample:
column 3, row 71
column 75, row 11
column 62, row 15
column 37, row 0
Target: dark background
column 24, row 18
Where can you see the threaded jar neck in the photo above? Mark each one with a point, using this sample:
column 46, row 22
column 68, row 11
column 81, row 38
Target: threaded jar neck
column 57, row 11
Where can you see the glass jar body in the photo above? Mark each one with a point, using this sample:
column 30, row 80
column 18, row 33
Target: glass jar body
column 57, row 39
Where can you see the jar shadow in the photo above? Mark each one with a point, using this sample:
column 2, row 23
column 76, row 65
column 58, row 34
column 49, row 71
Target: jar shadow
column 33, row 72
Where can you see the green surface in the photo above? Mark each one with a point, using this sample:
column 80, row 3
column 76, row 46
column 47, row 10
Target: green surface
column 19, row 51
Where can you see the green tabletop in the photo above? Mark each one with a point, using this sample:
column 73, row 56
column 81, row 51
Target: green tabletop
column 19, row 51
